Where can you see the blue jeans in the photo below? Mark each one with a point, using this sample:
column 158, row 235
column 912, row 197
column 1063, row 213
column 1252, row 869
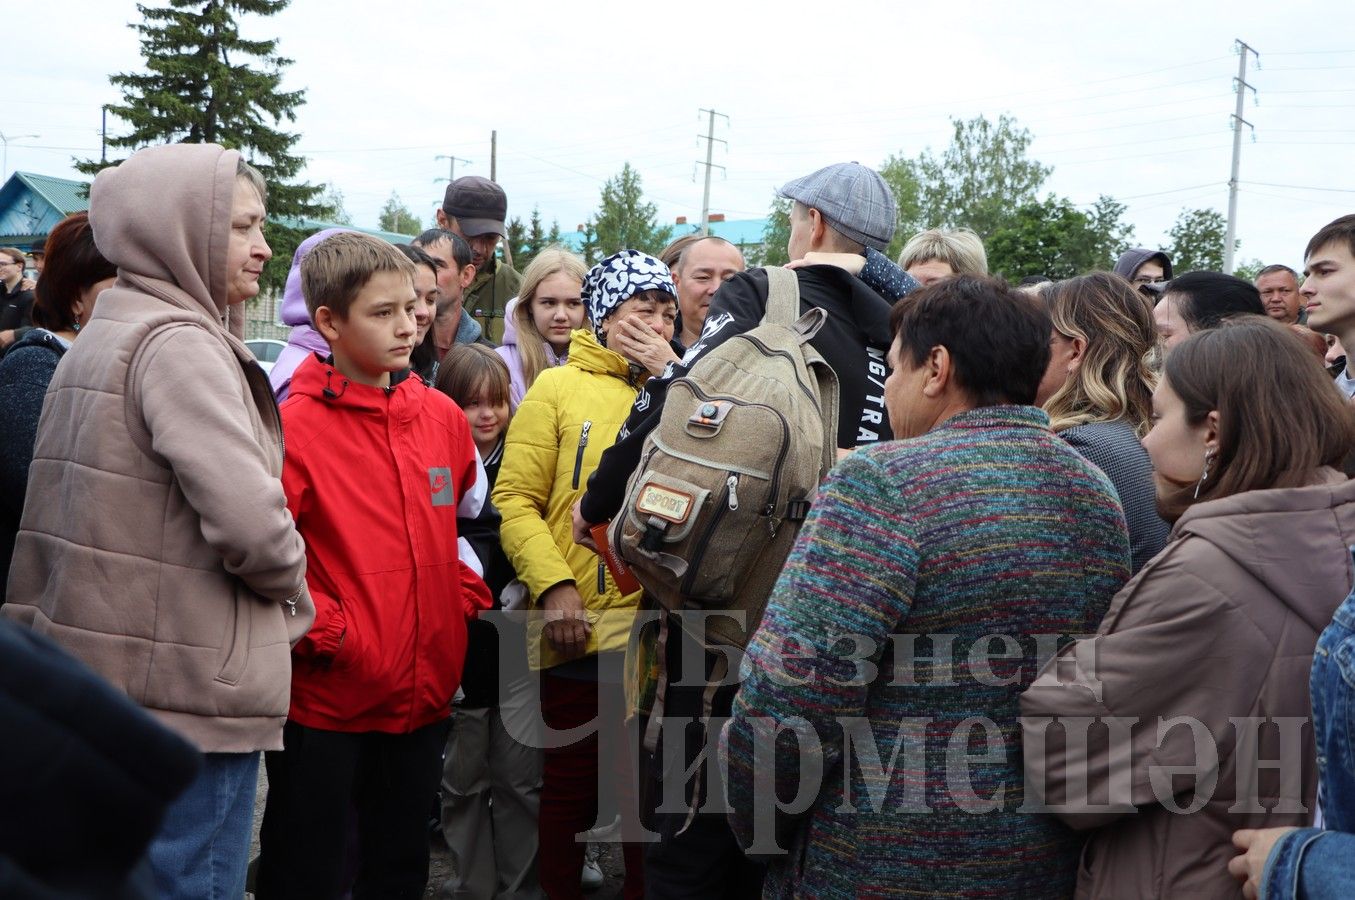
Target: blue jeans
column 202, row 850
column 1311, row 863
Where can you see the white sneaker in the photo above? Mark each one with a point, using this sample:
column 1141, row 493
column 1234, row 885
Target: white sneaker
column 592, row 878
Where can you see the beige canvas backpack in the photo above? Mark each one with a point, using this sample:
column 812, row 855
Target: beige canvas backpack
column 728, row 475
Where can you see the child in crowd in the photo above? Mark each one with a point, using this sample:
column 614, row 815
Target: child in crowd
column 568, row 417
column 539, row 320
column 491, row 778
column 376, row 466
column 424, row 359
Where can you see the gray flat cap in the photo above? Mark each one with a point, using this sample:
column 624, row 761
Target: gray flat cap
column 855, row 200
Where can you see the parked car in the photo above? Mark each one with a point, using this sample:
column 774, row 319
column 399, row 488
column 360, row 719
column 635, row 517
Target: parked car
column 266, row 351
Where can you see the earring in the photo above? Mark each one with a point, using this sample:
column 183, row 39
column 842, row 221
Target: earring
column 1204, row 476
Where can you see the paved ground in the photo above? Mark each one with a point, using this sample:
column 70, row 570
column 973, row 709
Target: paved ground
column 439, row 866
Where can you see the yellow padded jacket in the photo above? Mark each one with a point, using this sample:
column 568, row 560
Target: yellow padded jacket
column 569, row 416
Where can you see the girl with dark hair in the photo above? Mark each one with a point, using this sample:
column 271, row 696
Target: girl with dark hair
column 1215, row 635
column 491, row 776
column 424, row 359
column 76, row 272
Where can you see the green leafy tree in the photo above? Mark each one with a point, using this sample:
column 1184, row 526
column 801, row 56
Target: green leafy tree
column 1249, row 270
column 624, row 220
column 775, row 236
column 205, row 82
column 397, row 217
column 1197, row 241
column 332, row 200
column 981, row 177
column 905, row 182
column 1056, row 239
column 554, row 237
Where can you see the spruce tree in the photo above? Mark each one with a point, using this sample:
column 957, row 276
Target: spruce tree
column 206, row 83
column 624, row 220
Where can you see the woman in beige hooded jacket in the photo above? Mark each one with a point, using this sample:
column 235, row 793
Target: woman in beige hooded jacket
column 155, row 543
column 1176, row 712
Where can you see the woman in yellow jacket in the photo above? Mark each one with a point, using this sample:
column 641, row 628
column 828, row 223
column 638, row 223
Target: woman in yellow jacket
column 568, row 417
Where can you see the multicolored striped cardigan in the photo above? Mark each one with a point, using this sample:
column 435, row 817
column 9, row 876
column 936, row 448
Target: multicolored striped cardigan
column 932, row 578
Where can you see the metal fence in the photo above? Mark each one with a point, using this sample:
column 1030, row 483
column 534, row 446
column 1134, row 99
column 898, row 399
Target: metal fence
column 262, row 319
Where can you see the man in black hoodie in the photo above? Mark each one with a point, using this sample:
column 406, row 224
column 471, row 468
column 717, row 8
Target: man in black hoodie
column 1145, row 268
column 843, row 208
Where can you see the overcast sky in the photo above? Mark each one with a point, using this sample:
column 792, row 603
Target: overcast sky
column 1131, row 101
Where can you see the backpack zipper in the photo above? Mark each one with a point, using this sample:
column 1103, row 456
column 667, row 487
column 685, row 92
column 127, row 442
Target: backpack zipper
column 731, row 499
column 578, row 456
column 785, row 437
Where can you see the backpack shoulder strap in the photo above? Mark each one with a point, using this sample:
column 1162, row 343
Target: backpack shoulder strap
column 783, row 296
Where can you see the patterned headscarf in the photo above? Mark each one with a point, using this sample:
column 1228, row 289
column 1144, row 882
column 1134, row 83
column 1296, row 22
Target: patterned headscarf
column 618, row 278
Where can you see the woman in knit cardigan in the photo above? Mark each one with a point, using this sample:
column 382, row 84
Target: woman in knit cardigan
column 931, row 576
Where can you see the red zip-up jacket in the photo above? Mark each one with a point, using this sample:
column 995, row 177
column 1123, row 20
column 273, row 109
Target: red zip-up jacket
column 373, row 478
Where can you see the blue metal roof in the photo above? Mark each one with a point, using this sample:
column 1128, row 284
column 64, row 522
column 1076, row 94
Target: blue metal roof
column 31, row 205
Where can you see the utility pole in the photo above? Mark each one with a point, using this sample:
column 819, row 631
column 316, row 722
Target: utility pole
column 103, row 137
column 494, row 156
column 1241, row 86
column 5, row 139
column 710, row 148
column 451, row 169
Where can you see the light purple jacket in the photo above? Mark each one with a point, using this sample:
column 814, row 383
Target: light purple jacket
column 508, row 349
column 304, row 339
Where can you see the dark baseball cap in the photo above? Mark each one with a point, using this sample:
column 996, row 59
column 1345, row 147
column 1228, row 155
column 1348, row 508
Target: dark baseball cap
column 479, row 205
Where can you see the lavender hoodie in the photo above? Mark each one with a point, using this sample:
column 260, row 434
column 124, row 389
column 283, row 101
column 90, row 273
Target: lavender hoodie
column 508, row 349
column 304, row 339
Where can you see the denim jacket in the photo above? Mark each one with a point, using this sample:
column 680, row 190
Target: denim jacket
column 1319, row 863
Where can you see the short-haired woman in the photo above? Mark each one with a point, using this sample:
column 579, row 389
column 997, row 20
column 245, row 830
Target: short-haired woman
column 1163, row 709
column 937, row 253
column 76, row 272
column 1098, row 391
column 974, row 537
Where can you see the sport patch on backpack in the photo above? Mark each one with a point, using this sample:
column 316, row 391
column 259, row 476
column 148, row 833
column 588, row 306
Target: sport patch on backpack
column 440, row 483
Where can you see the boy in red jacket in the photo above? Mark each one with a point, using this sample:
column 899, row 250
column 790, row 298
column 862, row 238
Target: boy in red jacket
column 376, row 466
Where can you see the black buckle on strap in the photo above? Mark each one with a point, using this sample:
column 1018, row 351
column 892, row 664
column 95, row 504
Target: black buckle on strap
column 797, row 510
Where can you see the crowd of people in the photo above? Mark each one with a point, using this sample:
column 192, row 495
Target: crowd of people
column 1067, row 611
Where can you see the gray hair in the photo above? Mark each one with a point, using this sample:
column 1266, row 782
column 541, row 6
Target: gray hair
column 253, row 176
column 960, row 249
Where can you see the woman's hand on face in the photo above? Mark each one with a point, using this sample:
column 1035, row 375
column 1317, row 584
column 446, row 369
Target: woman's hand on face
column 852, row 263
column 567, row 625
column 634, row 339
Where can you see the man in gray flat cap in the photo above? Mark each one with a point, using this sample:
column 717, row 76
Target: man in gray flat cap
column 842, row 209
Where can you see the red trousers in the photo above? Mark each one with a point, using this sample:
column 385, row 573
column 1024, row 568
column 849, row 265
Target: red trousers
column 571, row 794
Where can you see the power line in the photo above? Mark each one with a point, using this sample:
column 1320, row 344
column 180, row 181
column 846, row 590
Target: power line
column 1302, row 187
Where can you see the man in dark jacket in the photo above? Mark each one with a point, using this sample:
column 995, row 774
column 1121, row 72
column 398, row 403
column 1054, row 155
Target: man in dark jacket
column 16, row 300
column 843, row 208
